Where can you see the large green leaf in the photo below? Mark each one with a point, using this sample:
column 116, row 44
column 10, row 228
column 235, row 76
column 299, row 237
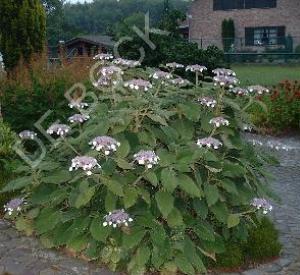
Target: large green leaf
column 58, row 177
column 142, row 255
column 165, row 202
column 184, row 265
column 130, row 196
column 17, row 184
column 211, row 194
column 132, row 239
column 175, row 218
column 98, row 231
column 47, row 220
column 114, row 186
column 169, row 179
column 233, row 220
column 189, row 186
column 204, row 231
column 82, row 195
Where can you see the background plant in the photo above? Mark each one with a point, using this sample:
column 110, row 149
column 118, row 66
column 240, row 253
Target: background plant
column 183, row 208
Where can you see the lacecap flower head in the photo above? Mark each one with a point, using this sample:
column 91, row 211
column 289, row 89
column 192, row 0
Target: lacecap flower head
column 209, row 142
column 225, row 81
column 85, row 163
column 147, row 158
column 161, row 75
column 262, row 204
column 179, row 81
column 110, row 71
column 224, row 72
column 14, row 206
column 174, row 65
column 127, row 63
column 78, row 118
column 117, row 218
column 78, row 104
column 103, row 56
column 196, row 68
column 207, row 101
column 105, row 144
column 219, row 121
column 258, row 89
column 239, row 91
column 59, row 129
column 138, row 84
column 27, row 135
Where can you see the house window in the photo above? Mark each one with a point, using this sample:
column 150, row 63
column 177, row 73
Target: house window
column 263, row 36
column 243, row 4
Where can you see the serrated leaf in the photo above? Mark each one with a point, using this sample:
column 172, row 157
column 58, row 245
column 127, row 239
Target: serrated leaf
column 47, row 220
column 151, row 177
column 57, row 177
column 110, row 201
column 82, row 195
column 114, row 186
column 157, row 118
column 17, row 184
column 98, row 231
column 204, row 231
column 165, row 202
column 134, row 238
column 175, row 218
column 142, row 255
column 211, row 193
column 122, row 163
column 25, row 225
column 169, row 179
column 124, row 149
column 130, row 196
column 184, row 265
column 233, row 220
column 188, row 185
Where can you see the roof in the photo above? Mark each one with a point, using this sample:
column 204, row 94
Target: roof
column 93, row 39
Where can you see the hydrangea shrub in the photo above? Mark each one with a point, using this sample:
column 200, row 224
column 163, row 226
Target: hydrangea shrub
column 155, row 178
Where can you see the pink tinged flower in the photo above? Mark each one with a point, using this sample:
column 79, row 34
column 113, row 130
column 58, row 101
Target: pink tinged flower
column 219, row 121
column 161, row 75
column 239, row 91
column 207, row 101
column 262, row 204
column 117, row 218
column 179, row 81
column 225, row 81
column 103, row 81
column 138, row 84
column 224, row 72
column 27, row 135
column 110, row 71
column 15, row 205
column 196, row 68
column 85, row 163
column 78, row 118
column 146, row 158
column 103, row 56
column 105, row 144
column 258, row 89
column 127, row 63
column 78, row 104
column 59, row 129
column 209, row 142
column 174, row 65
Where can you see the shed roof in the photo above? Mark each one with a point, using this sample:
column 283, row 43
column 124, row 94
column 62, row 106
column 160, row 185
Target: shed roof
column 93, row 39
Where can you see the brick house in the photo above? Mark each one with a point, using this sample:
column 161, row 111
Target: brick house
column 258, row 23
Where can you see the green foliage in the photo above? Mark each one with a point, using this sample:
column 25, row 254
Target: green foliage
column 262, row 242
column 283, row 105
column 261, row 245
column 228, row 34
column 182, row 211
column 22, row 30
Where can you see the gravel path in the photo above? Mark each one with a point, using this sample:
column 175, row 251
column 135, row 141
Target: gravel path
column 21, row 255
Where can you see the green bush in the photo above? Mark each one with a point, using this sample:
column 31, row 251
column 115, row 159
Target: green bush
column 283, row 105
column 7, row 139
column 184, row 207
column 262, row 242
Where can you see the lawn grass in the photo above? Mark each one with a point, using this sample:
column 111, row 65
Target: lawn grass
column 267, row 75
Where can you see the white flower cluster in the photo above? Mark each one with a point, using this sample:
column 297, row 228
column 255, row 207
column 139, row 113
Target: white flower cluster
column 78, row 118
column 147, row 158
column 174, row 65
column 161, row 75
column 209, row 142
column 239, row 91
column 138, row 84
column 247, row 128
column 276, row 145
column 109, row 71
column 225, row 81
column 179, row 81
column 117, row 218
column 59, row 129
column 15, row 205
column 104, row 81
column 224, row 72
column 27, row 135
column 263, row 204
column 85, row 163
column 219, row 121
column 207, row 101
column 77, row 104
column 127, row 63
column 196, row 68
column 258, row 89
column 103, row 56
column 105, row 143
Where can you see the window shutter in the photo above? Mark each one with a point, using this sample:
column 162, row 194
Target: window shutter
column 281, row 35
column 218, row 4
column 249, row 36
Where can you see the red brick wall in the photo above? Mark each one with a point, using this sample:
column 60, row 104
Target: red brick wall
column 206, row 23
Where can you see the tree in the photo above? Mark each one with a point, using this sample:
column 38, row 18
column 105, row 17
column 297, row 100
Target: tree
column 228, row 34
column 22, row 30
